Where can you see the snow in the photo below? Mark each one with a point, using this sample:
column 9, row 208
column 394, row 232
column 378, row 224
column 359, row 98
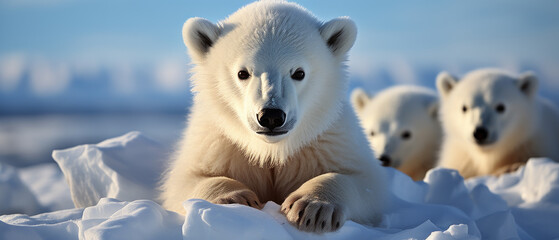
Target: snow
column 15, row 196
column 103, row 170
column 140, row 219
column 46, row 182
column 114, row 184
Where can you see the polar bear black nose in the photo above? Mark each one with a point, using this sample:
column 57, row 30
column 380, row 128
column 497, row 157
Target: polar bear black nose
column 385, row 159
column 271, row 118
column 480, row 134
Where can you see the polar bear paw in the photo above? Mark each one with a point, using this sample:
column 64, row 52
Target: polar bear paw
column 244, row 197
column 509, row 168
column 313, row 215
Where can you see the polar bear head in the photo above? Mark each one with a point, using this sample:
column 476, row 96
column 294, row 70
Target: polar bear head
column 487, row 107
column 401, row 124
column 271, row 76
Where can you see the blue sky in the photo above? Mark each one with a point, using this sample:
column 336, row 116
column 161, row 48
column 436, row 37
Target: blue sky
column 56, row 38
column 127, row 30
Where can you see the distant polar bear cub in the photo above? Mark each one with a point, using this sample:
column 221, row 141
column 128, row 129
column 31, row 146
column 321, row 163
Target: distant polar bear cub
column 494, row 122
column 269, row 121
column 402, row 126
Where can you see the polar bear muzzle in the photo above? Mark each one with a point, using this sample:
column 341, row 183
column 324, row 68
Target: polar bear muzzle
column 481, row 135
column 271, row 119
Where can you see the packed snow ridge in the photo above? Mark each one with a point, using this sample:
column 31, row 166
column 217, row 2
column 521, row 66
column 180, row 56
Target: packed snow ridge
column 113, row 183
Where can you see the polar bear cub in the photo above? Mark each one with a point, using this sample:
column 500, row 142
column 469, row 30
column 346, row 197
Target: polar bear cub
column 494, row 122
column 269, row 121
column 402, row 126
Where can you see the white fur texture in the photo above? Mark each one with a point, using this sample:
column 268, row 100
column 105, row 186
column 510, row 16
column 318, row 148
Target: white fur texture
column 527, row 127
column 388, row 115
column 321, row 170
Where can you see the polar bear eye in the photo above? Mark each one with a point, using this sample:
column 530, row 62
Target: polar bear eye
column 372, row 133
column 243, row 75
column 298, row 75
column 500, row 108
column 464, row 108
column 406, row 135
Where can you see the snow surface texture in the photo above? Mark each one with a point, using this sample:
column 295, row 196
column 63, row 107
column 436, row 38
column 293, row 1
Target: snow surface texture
column 33, row 190
column 520, row 205
column 126, row 168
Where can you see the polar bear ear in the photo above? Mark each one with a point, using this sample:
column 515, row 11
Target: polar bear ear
column 339, row 34
column 199, row 35
column 359, row 98
column 528, row 83
column 445, row 83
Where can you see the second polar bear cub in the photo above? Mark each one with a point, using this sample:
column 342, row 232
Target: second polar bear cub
column 402, row 126
column 269, row 120
column 494, row 122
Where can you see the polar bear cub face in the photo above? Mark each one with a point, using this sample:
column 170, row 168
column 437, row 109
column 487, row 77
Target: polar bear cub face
column 487, row 107
column 277, row 75
column 401, row 124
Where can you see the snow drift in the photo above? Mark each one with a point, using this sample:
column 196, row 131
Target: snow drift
column 520, row 205
column 125, row 168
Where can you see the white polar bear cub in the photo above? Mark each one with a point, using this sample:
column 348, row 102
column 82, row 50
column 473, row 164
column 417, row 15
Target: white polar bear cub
column 494, row 122
column 402, row 127
column 269, row 121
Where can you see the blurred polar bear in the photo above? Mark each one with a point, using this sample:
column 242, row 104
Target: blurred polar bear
column 494, row 122
column 402, row 127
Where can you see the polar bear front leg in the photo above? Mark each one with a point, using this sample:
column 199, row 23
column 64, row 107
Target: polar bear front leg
column 323, row 203
column 224, row 190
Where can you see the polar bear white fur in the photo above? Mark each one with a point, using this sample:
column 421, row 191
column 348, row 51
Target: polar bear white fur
column 402, row 127
column 494, row 122
column 269, row 121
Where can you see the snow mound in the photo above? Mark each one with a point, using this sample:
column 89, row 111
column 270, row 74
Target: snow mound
column 126, row 168
column 520, row 205
column 15, row 196
column 532, row 194
column 32, row 190
column 48, row 185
